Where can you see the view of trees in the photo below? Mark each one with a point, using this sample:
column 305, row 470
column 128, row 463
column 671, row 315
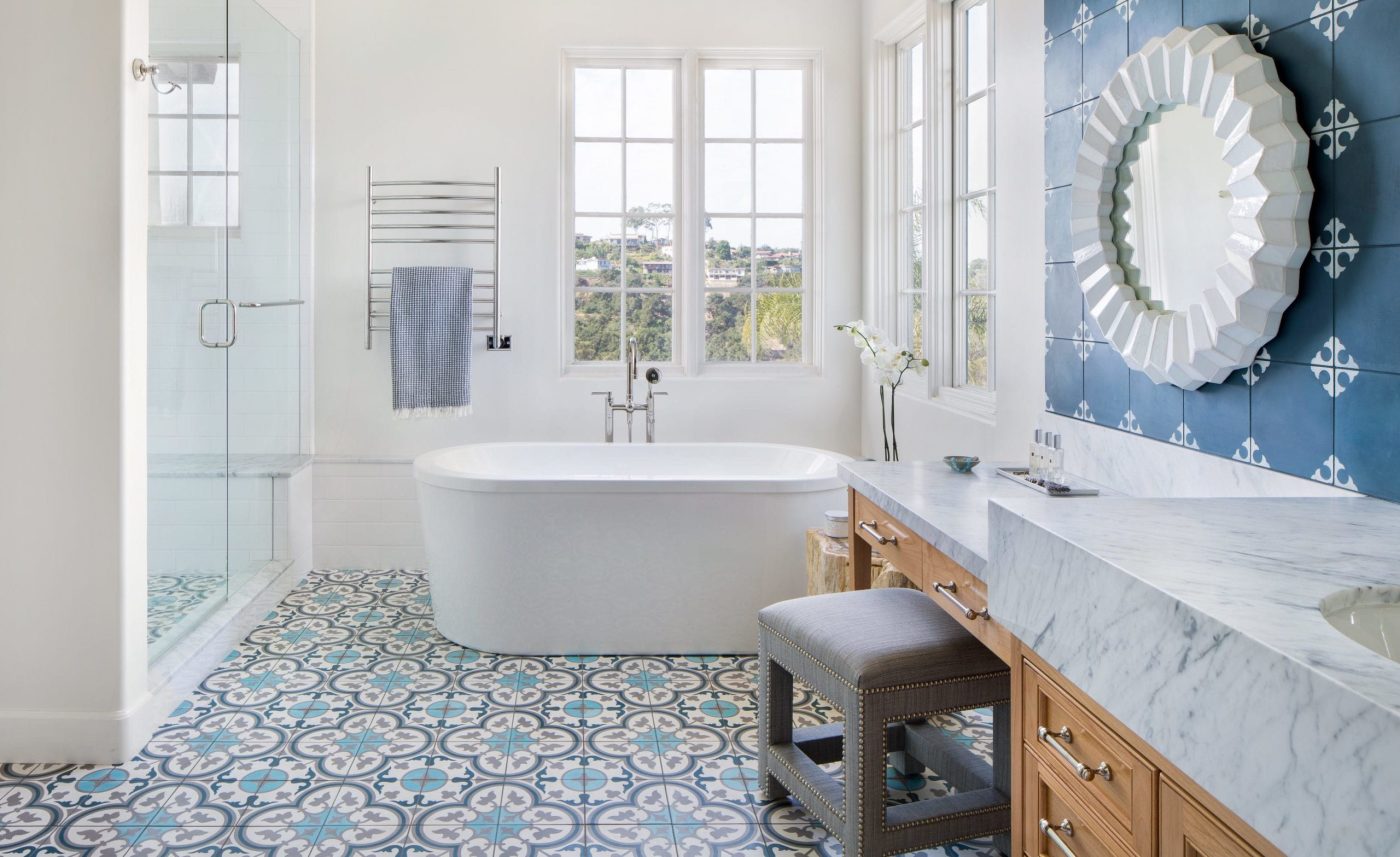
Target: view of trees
column 649, row 305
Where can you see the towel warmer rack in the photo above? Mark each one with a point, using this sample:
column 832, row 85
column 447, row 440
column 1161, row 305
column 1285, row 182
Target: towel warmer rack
column 452, row 212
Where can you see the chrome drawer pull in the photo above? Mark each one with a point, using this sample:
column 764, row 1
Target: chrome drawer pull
column 1085, row 772
column 1050, row 831
column 869, row 527
column 949, row 591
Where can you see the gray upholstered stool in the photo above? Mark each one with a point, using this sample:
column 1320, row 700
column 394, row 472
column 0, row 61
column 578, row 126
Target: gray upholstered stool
column 887, row 658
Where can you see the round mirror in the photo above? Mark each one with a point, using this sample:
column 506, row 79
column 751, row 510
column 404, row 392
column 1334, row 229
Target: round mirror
column 1171, row 207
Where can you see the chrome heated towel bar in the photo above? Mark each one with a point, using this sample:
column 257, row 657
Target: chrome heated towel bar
column 435, row 212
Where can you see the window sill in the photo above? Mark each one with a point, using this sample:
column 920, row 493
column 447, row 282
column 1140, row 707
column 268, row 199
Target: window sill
column 978, row 405
column 725, row 371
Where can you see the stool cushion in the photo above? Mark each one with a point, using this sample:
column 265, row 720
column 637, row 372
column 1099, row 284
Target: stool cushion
column 876, row 638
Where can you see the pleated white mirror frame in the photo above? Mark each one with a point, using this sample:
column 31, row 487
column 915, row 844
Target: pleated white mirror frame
column 1256, row 118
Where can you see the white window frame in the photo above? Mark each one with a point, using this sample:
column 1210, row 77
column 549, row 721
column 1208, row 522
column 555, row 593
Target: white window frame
column 189, row 173
column 960, row 291
column 944, row 295
column 906, row 129
column 688, row 283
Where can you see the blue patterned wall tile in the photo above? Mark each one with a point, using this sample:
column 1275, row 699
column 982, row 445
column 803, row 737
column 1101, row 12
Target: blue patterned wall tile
column 1064, row 376
column 1367, row 50
column 1328, row 146
column 1063, row 133
column 1217, row 416
column 1151, row 18
column 1105, row 48
column 1106, row 385
column 1060, row 16
column 1229, row 14
column 1368, row 183
column 1157, row 409
column 1368, row 457
column 1063, row 71
column 1058, row 244
column 1307, row 324
column 1368, row 307
column 1290, row 418
column 1064, row 302
column 1277, row 14
column 1094, row 8
column 1306, row 68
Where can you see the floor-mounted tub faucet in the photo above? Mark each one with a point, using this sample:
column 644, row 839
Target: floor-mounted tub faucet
column 630, row 407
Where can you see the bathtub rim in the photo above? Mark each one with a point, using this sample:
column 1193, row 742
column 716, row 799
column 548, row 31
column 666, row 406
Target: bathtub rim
column 427, row 470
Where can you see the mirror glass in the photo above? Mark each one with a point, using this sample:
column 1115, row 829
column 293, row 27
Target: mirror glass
column 1171, row 208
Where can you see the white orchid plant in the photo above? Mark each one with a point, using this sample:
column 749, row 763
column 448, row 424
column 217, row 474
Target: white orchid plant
column 891, row 363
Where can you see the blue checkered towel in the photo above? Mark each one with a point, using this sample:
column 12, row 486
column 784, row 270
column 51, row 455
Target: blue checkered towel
column 430, row 341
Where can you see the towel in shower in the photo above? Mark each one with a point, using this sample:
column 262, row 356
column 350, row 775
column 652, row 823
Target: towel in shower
column 430, row 341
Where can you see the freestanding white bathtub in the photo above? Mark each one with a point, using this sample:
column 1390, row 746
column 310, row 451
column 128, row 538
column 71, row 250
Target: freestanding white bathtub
column 543, row 548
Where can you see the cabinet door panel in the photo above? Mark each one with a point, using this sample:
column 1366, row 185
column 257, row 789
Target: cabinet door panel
column 1185, row 829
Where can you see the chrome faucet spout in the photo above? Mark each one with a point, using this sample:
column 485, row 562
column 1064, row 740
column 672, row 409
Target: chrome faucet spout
column 631, row 369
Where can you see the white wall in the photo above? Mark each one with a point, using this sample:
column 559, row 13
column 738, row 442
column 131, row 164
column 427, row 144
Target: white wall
column 72, row 377
column 433, row 89
column 930, row 429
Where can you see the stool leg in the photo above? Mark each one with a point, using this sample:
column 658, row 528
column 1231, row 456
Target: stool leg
column 864, row 767
column 1001, row 765
column 774, row 720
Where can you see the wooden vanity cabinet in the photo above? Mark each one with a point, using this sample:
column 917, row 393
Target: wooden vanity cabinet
column 1144, row 807
column 1187, row 829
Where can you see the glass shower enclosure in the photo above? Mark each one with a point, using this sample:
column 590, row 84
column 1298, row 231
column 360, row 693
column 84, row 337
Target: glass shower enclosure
column 224, row 305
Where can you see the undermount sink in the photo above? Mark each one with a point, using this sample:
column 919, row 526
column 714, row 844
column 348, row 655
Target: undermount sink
column 1370, row 616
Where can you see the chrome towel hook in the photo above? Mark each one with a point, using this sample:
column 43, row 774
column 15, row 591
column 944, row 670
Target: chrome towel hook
column 140, row 70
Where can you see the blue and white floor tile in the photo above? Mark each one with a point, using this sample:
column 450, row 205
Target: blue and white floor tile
column 345, row 724
column 172, row 597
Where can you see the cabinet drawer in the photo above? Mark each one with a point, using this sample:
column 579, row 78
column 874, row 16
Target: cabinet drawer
column 966, row 593
column 1056, row 824
column 1102, row 771
column 902, row 548
column 1188, row 830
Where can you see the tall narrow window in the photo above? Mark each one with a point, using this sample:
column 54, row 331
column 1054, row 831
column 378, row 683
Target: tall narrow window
column 910, row 146
column 756, row 209
column 623, row 125
column 974, row 273
column 194, row 152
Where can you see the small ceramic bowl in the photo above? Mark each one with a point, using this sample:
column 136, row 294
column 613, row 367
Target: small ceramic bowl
column 961, row 463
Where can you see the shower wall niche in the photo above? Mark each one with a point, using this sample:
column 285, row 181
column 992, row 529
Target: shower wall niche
column 226, row 446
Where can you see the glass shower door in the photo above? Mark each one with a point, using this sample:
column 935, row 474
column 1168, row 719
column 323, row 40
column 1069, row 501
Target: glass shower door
column 192, row 323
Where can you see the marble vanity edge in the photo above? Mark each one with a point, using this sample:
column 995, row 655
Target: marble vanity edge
column 1295, row 753
column 956, row 548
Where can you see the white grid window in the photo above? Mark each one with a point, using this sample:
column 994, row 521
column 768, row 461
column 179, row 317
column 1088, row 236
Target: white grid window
column 195, row 134
column 625, row 189
column 911, row 108
column 691, row 218
column 974, row 184
column 755, row 208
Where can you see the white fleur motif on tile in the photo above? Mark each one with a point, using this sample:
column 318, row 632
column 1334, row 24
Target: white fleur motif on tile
column 1334, row 367
column 1183, row 437
column 1330, row 17
column 1129, row 423
column 1254, row 371
column 1084, row 347
column 1335, row 248
column 1249, row 451
column 1335, row 130
column 1257, row 31
column 1083, row 412
column 1334, row 472
column 1126, row 10
column 1082, row 15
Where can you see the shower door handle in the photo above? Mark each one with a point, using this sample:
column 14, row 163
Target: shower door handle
column 232, row 324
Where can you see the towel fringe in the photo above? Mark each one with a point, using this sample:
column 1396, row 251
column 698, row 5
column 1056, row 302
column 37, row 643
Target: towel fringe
column 423, row 413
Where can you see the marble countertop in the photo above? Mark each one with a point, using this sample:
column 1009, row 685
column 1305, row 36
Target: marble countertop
column 1195, row 623
column 946, row 509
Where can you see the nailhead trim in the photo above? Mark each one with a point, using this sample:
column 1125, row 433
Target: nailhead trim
column 840, row 814
column 861, row 694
